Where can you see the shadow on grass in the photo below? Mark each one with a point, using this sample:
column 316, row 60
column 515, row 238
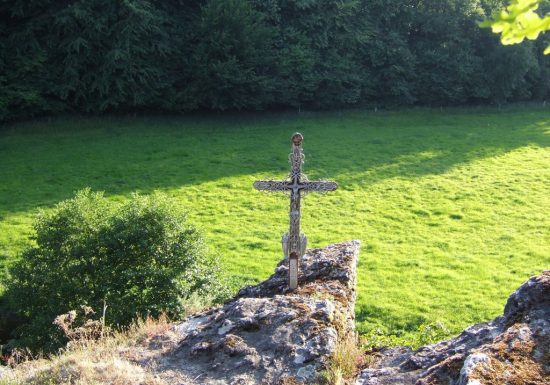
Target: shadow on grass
column 45, row 162
column 379, row 318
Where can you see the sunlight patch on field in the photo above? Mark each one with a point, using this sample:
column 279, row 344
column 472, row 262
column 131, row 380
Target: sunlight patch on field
column 450, row 206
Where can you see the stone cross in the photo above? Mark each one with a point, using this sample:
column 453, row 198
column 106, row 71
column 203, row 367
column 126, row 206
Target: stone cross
column 296, row 184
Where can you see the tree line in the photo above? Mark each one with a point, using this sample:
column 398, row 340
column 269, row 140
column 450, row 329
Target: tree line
column 182, row 55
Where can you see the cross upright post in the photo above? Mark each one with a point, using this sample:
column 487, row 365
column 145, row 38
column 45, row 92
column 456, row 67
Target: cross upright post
column 296, row 184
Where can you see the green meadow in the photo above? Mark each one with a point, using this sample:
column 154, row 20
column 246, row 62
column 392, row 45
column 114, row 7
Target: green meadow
column 451, row 206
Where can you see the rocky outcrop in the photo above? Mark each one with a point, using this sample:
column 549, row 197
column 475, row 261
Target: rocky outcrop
column 513, row 349
column 266, row 334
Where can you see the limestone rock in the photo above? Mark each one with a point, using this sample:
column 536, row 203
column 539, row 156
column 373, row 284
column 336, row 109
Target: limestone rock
column 512, row 349
column 267, row 335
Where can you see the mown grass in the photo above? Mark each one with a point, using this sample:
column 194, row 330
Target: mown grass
column 451, row 206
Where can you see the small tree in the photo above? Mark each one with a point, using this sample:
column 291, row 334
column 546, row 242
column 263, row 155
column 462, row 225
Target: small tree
column 140, row 258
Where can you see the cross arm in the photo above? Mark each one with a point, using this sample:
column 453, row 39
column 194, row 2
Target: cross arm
column 271, row 185
column 320, row 186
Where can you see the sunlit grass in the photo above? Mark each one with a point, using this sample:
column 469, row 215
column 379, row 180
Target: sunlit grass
column 451, row 206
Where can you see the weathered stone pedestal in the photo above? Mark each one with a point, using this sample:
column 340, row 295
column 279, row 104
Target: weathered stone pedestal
column 266, row 335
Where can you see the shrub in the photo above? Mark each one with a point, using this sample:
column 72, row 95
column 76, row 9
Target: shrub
column 141, row 258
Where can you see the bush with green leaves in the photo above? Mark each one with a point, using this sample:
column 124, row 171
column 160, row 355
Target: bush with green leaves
column 139, row 258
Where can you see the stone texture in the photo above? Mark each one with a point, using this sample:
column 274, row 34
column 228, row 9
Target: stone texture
column 513, row 349
column 267, row 335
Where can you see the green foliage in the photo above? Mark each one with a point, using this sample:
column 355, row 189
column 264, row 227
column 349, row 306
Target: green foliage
column 140, row 258
column 233, row 55
column 385, row 54
column 519, row 21
column 133, row 55
column 444, row 47
column 89, row 55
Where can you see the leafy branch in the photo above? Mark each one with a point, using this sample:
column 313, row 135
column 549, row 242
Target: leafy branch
column 518, row 21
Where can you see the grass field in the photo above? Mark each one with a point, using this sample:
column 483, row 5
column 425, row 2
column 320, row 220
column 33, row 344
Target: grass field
column 451, row 206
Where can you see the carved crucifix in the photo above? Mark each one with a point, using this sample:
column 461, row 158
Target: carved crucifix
column 296, row 184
